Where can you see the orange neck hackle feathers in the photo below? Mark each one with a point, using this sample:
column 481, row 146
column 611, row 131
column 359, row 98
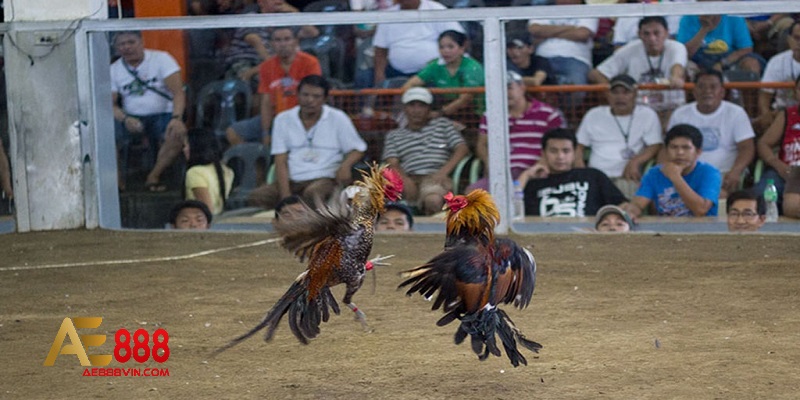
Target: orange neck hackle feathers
column 474, row 214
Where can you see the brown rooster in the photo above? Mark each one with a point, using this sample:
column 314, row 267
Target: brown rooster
column 474, row 274
column 336, row 242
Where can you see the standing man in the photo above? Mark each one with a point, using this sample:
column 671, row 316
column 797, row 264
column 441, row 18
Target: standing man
column 623, row 136
column 424, row 152
column 314, row 148
column 528, row 120
column 728, row 137
column 403, row 49
column 653, row 58
column 682, row 186
column 560, row 190
column 278, row 79
column 782, row 67
column 148, row 99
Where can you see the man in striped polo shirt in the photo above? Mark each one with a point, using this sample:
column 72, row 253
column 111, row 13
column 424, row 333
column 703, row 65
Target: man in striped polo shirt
column 528, row 120
column 424, row 152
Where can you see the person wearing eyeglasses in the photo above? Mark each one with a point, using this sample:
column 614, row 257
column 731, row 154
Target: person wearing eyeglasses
column 746, row 211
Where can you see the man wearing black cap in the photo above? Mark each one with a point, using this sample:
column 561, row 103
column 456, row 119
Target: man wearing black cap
column 534, row 70
column 623, row 136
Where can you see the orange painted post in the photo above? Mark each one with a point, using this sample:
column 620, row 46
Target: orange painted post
column 172, row 41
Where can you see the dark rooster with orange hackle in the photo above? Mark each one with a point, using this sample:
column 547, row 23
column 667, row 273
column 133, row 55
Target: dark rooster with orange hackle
column 474, row 274
column 336, row 241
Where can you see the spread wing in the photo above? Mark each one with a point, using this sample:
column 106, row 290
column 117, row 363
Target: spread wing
column 304, row 235
column 459, row 274
column 514, row 269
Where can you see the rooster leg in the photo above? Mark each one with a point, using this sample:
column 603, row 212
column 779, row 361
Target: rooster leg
column 360, row 316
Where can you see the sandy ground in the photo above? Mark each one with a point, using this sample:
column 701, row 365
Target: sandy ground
column 638, row 316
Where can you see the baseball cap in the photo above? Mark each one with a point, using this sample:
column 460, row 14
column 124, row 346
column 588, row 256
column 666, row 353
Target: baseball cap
column 518, row 41
column 612, row 209
column 513, row 77
column 623, row 80
column 417, row 94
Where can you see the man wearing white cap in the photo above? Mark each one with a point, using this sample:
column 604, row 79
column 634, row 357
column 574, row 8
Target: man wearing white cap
column 424, row 152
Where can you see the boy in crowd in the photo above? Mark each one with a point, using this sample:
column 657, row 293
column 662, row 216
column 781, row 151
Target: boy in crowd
column 681, row 186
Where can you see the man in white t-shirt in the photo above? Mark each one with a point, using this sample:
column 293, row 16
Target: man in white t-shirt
column 653, row 58
column 403, row 49
column 626, row 29
column 623, row 136
column 314, row 147
column 148, row 99
column 728, row 138
column 782, row 67
column 567, row 45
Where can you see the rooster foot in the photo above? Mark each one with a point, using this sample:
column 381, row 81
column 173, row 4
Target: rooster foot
column 360, row 317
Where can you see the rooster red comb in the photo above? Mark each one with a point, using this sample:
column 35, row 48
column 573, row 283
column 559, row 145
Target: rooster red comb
column 455, row 203
column 393, row 187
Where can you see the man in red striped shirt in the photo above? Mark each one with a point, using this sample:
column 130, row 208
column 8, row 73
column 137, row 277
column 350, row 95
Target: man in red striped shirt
column 528, row 120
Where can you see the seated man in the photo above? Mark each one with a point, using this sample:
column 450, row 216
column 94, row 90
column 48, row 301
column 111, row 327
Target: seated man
column 395, row 217
column 746, row 211
column 559, row 190
column 535, row 70
column 623, row 136
column 682, row 186
column 728, row 137
column 654, row 58
column 782, row 67
column 567, row 45
column 626, row 29
column 404, row 49
column 783, row 134
column 148, row 99
column 278, row 80
column 424, row 152
column 314, row 148
column 719, row 42
column 190, row 214
column 528, row 120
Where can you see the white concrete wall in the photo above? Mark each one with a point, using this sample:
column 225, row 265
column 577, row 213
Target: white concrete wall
column 54, row 10
column 43, row 111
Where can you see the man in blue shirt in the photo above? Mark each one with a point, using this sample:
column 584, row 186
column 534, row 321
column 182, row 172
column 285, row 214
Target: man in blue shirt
column 681, row 186
column 719, row 42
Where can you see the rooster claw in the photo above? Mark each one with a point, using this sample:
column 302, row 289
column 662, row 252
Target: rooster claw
column 360, row 317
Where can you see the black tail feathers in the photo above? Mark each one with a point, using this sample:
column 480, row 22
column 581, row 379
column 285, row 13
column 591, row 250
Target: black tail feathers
column 482, row 327
column 305, row 315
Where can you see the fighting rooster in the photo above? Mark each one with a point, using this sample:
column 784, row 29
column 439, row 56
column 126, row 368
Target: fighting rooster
column 474, row 274
column 336, row 242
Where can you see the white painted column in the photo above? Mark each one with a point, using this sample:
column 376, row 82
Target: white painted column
column 43, row 110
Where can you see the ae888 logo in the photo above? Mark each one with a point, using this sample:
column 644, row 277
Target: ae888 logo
column 140, row 350
column 139, row 345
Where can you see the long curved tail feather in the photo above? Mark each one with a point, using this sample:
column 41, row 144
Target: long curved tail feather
column 305, row 315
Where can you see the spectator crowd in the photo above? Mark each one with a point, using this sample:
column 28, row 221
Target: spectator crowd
column 649, row 145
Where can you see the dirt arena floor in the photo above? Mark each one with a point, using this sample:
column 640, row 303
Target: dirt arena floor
column 637, row 316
